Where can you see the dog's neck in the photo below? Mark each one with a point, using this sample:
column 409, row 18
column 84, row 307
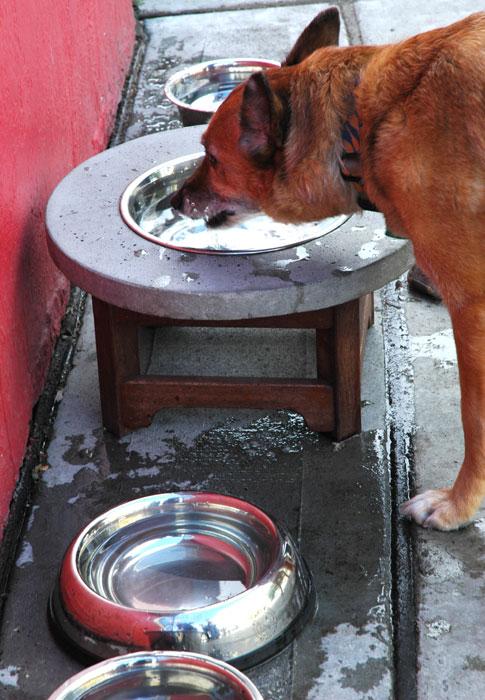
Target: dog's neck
column 351, row 169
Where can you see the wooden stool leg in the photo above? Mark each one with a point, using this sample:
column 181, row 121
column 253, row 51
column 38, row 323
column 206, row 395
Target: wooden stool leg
column 339, row 360
column 346, row 369
column 118, row 359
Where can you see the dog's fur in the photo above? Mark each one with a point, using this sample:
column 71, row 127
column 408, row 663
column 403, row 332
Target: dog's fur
column 276, row 145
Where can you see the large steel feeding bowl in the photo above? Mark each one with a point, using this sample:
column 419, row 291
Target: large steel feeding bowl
column 145, row 207
column 200, row 89
column 158, row 675
column 198, row 572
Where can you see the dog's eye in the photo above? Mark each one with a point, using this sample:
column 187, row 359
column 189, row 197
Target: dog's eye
column 212, row 160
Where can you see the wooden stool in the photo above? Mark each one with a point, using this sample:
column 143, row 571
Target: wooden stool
column 329, row 403
column 325, row 285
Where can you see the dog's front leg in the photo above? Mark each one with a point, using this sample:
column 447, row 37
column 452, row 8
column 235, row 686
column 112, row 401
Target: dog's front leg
column 447, row 509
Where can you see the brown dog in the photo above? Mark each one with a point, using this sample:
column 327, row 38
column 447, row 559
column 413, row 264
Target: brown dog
column 407, row 123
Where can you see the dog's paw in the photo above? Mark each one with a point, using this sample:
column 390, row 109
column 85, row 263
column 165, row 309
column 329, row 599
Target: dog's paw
column 436, row 509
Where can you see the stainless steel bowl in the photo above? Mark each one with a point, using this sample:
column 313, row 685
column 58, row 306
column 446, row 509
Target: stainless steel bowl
column 200, row 89
column 145, row 207
column 198, row 572
column 163, row 675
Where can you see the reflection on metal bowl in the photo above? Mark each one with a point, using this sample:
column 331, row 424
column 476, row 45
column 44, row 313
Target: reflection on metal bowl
column 167, row 675
column 199, row 572
column 145, row 207
column 200, row 89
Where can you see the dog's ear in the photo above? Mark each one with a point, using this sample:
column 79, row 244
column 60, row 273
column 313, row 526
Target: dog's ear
column 322, row 31
column 261, row 118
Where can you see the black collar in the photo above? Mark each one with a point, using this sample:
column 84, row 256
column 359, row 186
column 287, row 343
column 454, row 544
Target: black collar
column 351, row 167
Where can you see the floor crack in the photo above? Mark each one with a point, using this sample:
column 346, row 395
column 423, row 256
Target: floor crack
column 401, row 438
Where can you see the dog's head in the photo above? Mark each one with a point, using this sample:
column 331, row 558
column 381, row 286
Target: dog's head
column 261, row 149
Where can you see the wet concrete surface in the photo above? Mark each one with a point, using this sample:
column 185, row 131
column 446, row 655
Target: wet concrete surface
column 338, row 500
column 450, row 566
column 186, row 39
column 334, row 499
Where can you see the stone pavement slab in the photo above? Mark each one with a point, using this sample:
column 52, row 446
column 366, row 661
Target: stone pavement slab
column 175, row 42
column 335, row 499
column 161, row 8
column 450, row 567
column 383, row 21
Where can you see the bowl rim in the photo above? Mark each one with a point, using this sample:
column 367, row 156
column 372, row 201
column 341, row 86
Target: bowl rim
column 213, row 498
column 179, row 659
column 205, row 65
column 128, row 191
column 93, row 624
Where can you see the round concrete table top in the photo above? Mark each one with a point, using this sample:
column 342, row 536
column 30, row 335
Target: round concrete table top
column 98, row 252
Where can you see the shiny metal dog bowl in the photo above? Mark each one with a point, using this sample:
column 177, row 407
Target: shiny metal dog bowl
column 145, row 207
column 199, row 90
column 162, row 675
column 198, row 572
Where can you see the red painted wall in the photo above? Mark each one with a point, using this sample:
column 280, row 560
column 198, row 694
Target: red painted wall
column 63, row 67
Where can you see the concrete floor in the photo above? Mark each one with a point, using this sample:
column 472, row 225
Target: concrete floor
column 400, row 609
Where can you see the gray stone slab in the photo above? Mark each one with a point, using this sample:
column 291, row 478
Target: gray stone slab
column 450, row 565
column 160, row 8
column 451, row 568
column 101, row 254
column 308, row 482
column 452, row 638
column 211, row 351
column 180, row 41
column 347, row 652
column 383, row 21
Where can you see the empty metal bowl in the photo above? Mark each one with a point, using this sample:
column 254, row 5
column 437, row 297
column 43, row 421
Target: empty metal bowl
column 163, row 675
column 198, row 572
column 200, row 89
column 145, row 207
